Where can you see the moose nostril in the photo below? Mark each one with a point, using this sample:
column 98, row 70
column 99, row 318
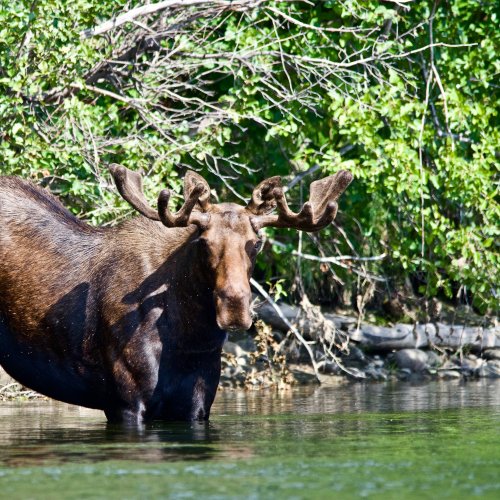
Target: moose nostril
column 232, row 309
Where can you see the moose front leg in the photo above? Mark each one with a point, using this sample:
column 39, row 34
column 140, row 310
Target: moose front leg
column 133, row 386
column 123, row 413
column 202, row 399
column 130, row 394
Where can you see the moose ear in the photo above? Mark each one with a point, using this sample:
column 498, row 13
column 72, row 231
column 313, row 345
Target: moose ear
column 263, row 201
column 191, row 181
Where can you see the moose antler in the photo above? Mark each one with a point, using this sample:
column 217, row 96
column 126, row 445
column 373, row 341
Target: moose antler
column 316, row 214
column 185, row 215
column 129, row 185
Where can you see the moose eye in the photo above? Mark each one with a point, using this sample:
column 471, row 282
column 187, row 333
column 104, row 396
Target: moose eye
column 257, row 246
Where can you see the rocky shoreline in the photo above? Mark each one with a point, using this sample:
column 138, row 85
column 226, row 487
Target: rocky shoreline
column 426, row 351
column 238, row 371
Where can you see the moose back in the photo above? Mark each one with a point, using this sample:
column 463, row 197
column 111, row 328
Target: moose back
column 131, row 319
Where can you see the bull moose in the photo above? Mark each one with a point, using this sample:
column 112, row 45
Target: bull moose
column 131, row 319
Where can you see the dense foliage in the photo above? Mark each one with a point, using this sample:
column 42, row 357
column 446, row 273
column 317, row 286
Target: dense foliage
column 405, row 95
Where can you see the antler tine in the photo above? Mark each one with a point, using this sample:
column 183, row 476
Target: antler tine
column 184, row 216
column 304, row 220
column 316, row 214
column 129, row 184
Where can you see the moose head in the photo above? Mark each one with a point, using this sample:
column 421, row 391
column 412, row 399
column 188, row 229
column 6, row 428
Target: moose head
column 228, row 233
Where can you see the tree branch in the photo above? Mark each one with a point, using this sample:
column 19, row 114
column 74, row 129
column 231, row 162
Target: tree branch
column 167, row 4
column 301, row 339
column 336, row 260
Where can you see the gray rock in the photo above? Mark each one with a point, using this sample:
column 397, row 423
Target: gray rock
column 319, row 355
column 479, row 362
column 449, row 374
column 326, row 379
column 491, row 369
column 372, row 372
column 247, row 345
column 278, row 336
column 302, row 377
column 243, row 360
column 467, row 369
column 290, row 349
column 403, row 374
column 232, row 371
column 451, row 365
column 411, row 359
column 354, row 365
column 226, row 382
column 232, row 348
column 492, row 354
column 328, row 367
column 469, row 364
column 433, row 359
column 259, row 367
column 355, row 354
column 355, row 373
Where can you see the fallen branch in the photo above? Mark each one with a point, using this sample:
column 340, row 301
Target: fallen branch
column 292, row 328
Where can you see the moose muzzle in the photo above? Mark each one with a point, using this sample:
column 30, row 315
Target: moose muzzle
column 233, row 307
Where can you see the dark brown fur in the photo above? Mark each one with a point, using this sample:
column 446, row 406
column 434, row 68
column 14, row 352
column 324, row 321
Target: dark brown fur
column 120, row 319
column 131, row 320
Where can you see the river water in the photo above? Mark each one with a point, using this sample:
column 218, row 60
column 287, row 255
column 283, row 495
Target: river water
column 380, row 441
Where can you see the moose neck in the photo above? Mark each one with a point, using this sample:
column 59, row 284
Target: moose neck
column 162, row 269
column 191, row 295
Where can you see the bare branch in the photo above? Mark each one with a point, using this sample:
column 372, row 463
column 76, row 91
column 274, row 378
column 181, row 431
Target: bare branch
column 339, row 261
column 151, row 8
column 299, row 337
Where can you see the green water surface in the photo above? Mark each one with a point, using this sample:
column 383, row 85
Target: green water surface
column 382, row 441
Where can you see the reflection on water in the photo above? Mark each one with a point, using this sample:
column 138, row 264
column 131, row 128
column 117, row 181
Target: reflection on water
column 395, row 440
column 363, row 398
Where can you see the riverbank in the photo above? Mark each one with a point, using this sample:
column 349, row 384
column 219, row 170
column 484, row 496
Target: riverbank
column 346, row 348
column 238, row 370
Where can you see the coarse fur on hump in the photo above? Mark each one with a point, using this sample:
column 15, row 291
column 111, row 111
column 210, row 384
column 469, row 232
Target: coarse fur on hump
column 14, row 192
